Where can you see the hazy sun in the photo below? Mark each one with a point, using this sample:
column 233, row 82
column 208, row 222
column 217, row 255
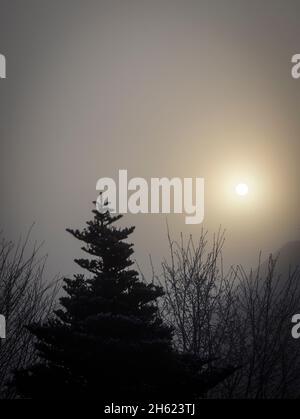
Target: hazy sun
column 242, row 189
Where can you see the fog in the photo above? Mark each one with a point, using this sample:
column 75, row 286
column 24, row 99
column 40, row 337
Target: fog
column 159, row 88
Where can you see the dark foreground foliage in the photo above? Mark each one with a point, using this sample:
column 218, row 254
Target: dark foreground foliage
column 108, row 342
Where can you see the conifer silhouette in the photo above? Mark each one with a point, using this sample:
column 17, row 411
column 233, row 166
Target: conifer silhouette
column 107, row 341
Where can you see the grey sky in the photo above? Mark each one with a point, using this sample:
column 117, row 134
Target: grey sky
column 161, row 88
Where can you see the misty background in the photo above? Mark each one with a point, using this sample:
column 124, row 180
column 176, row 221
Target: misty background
column 161, row 88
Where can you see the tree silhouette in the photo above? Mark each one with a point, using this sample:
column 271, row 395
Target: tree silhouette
column 107, row 342
column 25, row 297
column 243, row 317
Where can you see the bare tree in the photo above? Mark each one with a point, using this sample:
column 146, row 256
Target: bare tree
column 265, row 304
column 25, row 298
column 242, row 318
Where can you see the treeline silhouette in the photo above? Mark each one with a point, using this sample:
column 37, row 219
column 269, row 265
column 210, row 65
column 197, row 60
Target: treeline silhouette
column 190, row 333
column 25, row 298
column 242, row 317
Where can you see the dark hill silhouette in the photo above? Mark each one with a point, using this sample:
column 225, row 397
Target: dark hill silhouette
column 289, row 256
column 288, row 259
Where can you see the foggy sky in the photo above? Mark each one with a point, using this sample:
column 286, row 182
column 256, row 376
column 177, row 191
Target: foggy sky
column 161, row 88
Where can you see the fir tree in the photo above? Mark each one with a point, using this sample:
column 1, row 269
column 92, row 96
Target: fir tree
column 107, row 342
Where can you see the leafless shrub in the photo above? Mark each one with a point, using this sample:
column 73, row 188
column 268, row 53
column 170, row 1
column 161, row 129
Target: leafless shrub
column 265, row 304
column 25, row 298
column 244, row 319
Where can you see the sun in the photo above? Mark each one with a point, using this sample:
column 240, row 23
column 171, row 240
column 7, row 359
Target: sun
column 242, row 189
